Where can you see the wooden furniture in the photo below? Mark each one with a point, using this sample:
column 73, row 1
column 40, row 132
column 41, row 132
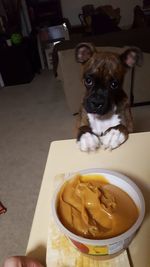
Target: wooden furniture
column 99, row 20
column 141, row 17
column 131, row 159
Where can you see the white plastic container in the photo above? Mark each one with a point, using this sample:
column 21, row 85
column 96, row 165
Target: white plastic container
column 113, row 245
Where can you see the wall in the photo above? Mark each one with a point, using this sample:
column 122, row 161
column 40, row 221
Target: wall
column 71, row 9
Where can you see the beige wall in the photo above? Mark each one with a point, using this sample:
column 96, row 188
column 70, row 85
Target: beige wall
column 71, row 9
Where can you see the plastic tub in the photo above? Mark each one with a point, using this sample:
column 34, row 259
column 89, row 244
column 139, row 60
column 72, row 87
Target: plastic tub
column 111, row 246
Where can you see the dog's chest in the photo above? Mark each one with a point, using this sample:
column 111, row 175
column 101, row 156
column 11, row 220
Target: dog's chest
column 100, row 125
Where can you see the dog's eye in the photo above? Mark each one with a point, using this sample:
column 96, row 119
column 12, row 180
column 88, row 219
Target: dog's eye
column 114, row 84
column 88, row 81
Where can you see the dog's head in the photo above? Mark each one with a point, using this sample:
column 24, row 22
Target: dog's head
column 103, row 75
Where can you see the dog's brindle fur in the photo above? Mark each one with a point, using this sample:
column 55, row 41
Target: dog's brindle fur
column 105, row 117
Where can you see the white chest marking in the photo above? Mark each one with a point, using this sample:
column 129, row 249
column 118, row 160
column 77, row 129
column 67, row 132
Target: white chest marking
column 100, row 124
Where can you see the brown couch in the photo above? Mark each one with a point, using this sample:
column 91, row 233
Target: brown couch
column 69, row 72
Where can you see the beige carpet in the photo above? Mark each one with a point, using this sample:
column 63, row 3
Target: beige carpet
column 31, row 116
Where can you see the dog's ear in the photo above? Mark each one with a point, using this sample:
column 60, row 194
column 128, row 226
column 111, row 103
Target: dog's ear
column 131, row 57
column 84, row 51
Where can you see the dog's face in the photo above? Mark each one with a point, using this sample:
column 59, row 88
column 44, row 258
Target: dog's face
column 103, row 75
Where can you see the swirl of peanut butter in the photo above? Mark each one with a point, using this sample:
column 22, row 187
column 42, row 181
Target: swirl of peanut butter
column 95, row 209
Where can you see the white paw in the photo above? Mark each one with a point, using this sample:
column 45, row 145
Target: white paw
column 88, row 142
column 112, row 139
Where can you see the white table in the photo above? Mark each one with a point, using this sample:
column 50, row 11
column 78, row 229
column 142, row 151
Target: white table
column 131, row 159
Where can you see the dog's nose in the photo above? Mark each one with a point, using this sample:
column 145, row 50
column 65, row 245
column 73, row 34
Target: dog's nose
column 97, row 102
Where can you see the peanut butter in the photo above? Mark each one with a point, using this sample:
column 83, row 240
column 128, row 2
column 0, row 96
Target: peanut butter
column 91, row 207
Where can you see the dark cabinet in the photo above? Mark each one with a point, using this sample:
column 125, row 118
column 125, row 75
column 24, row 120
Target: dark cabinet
column 45, row 12
column 19, row 63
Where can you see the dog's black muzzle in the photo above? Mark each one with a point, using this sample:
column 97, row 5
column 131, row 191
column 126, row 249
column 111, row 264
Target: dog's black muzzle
column 98, row 102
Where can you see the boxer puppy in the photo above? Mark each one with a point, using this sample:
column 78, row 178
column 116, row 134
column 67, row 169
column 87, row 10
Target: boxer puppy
column 105, row 117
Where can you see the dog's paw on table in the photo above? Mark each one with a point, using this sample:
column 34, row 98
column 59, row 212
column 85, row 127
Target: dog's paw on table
column 88, row 142
column 113, row 139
